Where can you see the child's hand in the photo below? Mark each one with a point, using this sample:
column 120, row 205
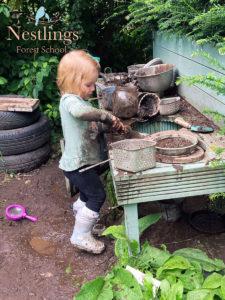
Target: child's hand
column 117, row 124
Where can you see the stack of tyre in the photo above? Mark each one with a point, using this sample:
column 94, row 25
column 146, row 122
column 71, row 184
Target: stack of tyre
column 24, row 140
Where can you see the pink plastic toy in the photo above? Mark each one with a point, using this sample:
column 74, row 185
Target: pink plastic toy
column 16, row 212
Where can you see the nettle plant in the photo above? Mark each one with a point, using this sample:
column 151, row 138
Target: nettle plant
column 184, row 274
column 216, row 84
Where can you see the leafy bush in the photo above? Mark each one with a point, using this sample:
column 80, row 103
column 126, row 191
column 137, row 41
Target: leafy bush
column 102, row 23
column 203, row 21
column 209, row 80
column 98, row 24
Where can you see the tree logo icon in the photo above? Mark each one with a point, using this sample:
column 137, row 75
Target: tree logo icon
column 41, row 12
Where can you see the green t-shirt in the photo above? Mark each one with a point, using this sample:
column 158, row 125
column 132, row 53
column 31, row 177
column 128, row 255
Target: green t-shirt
column 80, row 130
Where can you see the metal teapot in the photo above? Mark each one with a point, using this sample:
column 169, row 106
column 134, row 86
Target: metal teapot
column 125, row 101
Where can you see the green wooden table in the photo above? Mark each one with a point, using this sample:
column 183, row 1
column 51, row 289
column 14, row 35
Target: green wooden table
column 165, row 181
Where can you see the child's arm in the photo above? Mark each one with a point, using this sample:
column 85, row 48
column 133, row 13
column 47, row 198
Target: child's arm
column 89, row 113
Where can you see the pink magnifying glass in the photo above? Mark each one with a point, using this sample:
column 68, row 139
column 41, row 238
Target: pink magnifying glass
column 17, row 212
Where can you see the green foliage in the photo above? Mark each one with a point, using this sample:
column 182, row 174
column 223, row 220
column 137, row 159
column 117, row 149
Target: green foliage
column 202, row 21
column 213, row 281
column 28, row 77
column 101, row 23
column 98, row 24
column 122, row 245
column 117, row 232
column 217, row 203
column 95, row 290
column 110, row 191
column 147, row 221
column 174, row 262
column 4, row 13
column 151, row 258
column 210, row 81
column 3, row 80
column 52, row 112
column 197, row 255
column 180, row 274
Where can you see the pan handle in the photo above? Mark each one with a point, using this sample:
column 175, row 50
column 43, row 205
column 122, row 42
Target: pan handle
column 182, row 122
column 93, row 166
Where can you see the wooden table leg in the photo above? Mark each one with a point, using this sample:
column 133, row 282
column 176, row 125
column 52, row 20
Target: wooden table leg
column 131, row 222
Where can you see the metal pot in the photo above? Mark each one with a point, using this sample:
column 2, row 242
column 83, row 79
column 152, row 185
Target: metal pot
column 133, row 68
column 125, row 101
column 155, row 79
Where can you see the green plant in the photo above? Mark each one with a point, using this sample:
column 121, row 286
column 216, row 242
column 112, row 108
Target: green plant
column 101, row 24
column 52, row 112
column 110, row 190
column 203, row 21
column 184, row 274
column 32, row 75
column 209, row 80
column 217, row 202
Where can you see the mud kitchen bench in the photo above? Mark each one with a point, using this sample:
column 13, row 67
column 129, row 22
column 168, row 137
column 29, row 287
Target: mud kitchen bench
column 167, row 181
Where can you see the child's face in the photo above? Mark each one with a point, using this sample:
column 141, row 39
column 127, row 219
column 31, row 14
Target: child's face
column 88, row 85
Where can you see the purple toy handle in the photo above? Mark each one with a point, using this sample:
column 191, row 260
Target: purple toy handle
column 31, row 218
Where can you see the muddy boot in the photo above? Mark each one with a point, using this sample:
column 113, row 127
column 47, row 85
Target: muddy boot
column 78, row 204
column 82, row 237
column 98, row 228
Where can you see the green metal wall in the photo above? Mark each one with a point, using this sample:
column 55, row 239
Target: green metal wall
column 178, row 51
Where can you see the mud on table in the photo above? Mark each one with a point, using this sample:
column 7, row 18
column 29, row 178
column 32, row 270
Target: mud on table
column 166, row 181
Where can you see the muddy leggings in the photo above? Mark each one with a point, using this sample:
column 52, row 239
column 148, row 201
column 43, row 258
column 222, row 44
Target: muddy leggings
column 90, row 186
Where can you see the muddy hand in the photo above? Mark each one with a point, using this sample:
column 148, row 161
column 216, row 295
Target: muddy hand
column 117, row 124
column 126, row 129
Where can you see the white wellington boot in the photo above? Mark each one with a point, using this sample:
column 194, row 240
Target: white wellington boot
column 78, row 204
column 82, row 237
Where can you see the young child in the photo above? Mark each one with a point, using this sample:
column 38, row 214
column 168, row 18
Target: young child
column 77, row 74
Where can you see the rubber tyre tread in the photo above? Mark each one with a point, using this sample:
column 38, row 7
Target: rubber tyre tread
column 22, row 140
column 12, row 120
column 25, row 162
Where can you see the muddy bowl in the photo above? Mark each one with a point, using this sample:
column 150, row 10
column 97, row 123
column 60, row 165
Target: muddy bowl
column 156, row 79
column 133, row 68
column 148, row 105
column 174, row 151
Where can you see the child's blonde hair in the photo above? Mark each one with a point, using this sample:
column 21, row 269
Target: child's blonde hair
column 75, row 66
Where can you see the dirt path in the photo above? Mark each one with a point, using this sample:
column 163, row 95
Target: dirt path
column 37, row 260
column 52, row 269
